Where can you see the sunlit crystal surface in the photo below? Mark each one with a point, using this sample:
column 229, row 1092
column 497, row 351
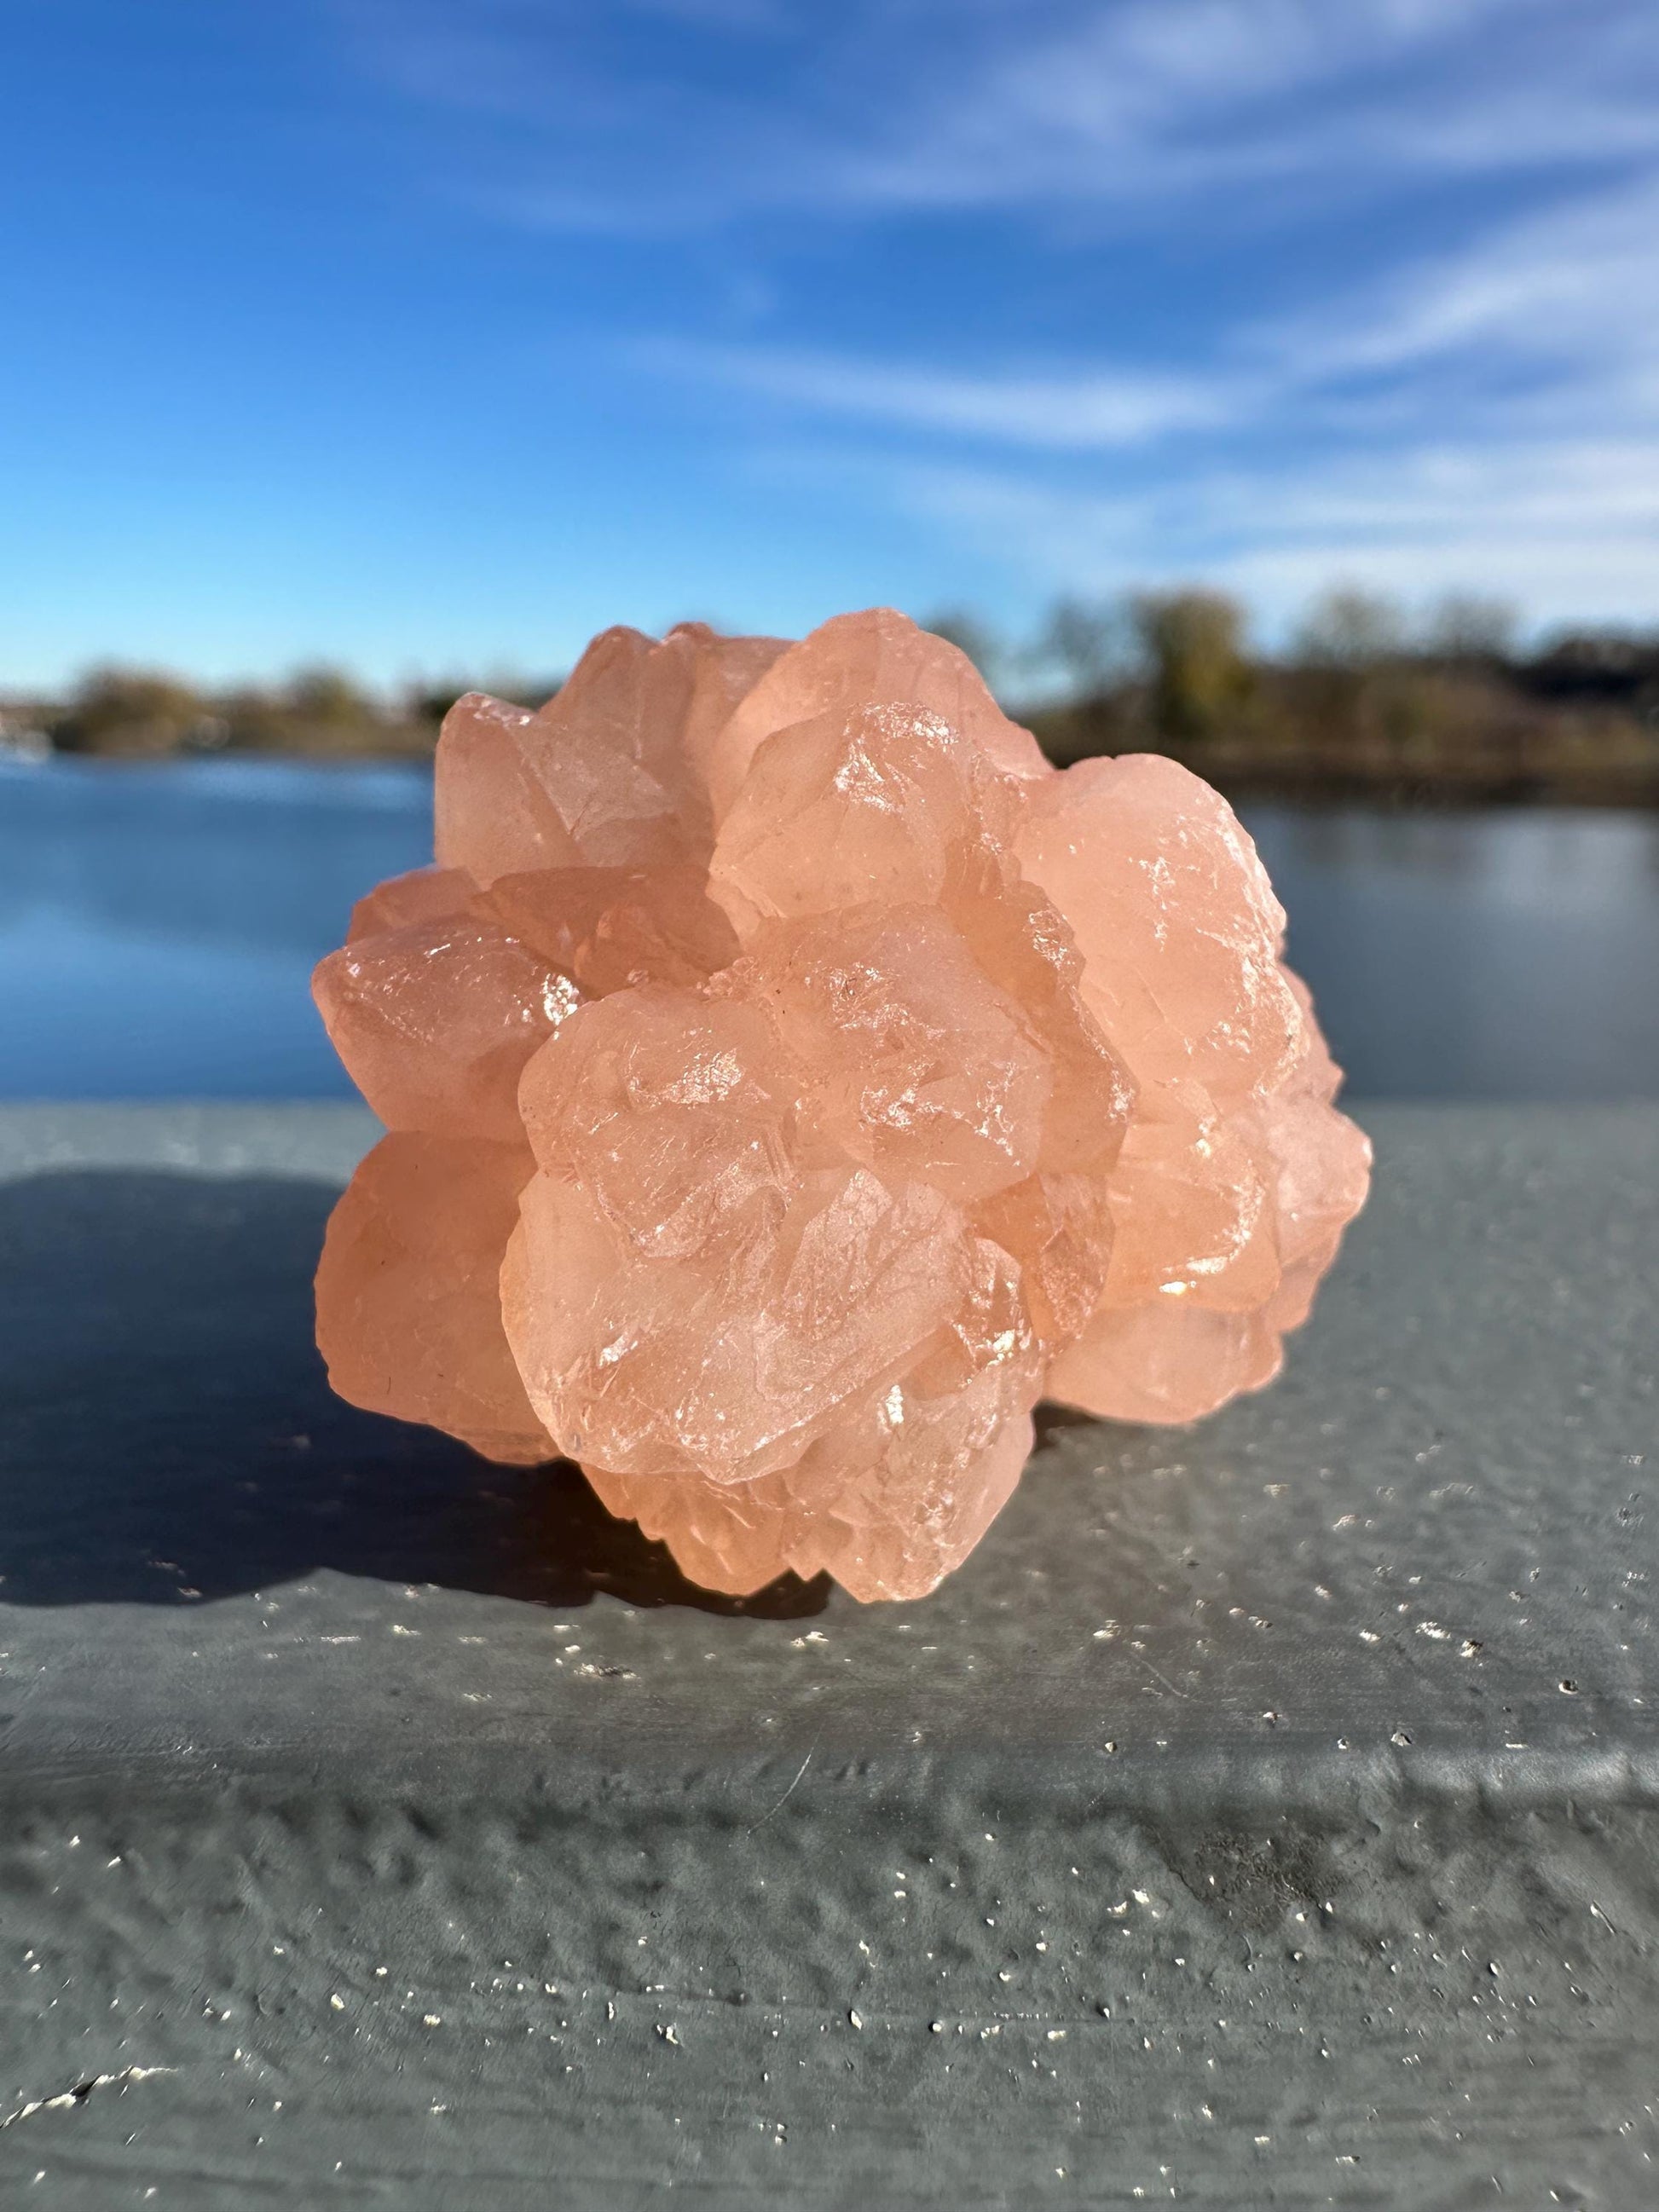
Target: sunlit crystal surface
column 791, row 1078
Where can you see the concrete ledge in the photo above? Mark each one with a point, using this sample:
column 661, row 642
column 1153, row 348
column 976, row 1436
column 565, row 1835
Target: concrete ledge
column 1265, row 1815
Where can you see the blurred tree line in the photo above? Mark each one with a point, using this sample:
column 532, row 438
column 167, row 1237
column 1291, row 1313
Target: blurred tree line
column 1359, row 699
column 135, row 714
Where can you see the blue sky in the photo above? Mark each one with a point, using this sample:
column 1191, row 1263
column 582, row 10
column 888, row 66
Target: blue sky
column 434, row 334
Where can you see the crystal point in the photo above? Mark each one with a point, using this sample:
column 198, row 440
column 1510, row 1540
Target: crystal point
column 791, row 1078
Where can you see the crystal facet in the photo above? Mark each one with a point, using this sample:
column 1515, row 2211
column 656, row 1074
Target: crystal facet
column 791, row 1078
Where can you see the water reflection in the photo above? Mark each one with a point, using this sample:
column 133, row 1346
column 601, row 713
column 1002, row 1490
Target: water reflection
column 1477, row 955
column 158, row 925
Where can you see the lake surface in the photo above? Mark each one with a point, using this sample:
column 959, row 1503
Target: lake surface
column 158, row 926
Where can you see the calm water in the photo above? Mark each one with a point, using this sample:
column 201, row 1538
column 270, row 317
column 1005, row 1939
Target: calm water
column 158, row 926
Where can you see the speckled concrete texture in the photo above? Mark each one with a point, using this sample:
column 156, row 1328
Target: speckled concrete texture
column 1265, row 1815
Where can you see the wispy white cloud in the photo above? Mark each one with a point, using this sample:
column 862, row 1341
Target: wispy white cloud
column 1576, row 285
column 1077, row 412
column 1556, row 316
column 1483, row 409
column 1152, row 95
column 1486, row 418
column 917, row 105
column 1569, row 530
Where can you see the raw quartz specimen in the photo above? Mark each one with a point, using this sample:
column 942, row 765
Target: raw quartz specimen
column 791, row 1078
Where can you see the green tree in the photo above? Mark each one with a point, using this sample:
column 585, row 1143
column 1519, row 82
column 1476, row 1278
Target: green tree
column 1192, row 643
column 1090, row 642
column 133, row 713
column 1351, row 629
column 326, row 699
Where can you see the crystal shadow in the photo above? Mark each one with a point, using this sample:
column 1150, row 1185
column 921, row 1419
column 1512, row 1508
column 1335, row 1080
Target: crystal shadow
column 168, row 1435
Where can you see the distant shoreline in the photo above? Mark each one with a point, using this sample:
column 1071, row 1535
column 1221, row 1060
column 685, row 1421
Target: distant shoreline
column 1242, row 778
column 1359, row 710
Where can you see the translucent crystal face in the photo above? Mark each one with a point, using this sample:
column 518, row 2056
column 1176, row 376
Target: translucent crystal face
column 791, row 1078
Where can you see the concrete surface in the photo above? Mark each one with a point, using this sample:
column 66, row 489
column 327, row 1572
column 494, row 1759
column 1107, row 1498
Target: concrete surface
column 1267, row 1814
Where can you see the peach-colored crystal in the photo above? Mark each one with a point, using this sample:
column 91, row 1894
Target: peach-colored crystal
column 791, row 1077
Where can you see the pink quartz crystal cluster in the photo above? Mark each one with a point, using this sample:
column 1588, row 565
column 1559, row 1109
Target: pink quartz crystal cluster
column 791, row 1078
